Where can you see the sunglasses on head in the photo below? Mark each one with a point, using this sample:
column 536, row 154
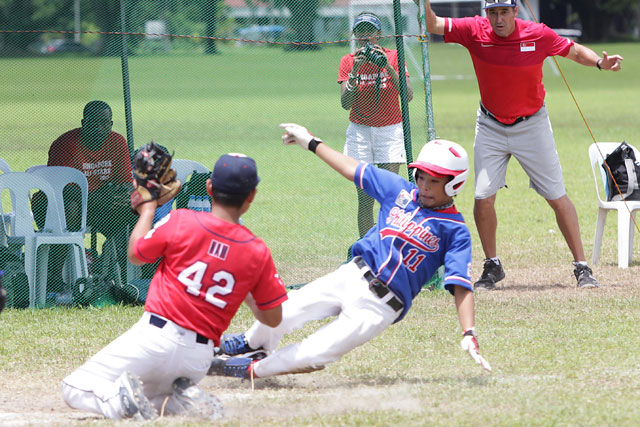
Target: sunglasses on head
column 506, row 2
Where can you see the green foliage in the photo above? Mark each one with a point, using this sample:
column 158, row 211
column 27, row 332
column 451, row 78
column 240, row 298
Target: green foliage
column 604, row 19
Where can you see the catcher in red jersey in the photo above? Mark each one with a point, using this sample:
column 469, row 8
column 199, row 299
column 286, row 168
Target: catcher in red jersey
column 210, row 265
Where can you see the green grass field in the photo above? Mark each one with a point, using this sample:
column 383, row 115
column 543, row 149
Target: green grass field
column 560, row 356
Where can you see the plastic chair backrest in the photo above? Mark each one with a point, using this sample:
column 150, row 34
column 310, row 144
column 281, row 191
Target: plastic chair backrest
column 20, row 185
column 34, row 168
column 4, row 166
column 597, row 160
column 59, row 177
column 185, row 167
column 6, row 217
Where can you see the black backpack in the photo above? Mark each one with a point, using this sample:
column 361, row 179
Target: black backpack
column 626, row 173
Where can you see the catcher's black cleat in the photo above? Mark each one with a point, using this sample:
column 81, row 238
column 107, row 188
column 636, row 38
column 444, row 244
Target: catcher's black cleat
column 491, row 274
column 134, row 403
column 584, row 276
column 239, row 366
column 195, row 402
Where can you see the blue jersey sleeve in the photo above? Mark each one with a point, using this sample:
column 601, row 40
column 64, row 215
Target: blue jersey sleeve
column 457, row 260
column 409, row 243
column 379, row 183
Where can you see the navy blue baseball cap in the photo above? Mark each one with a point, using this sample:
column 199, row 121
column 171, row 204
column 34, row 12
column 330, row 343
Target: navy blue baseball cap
column 235, row 173
column 369, row 19
column 488, row 4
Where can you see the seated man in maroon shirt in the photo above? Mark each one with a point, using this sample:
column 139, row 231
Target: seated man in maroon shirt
column 103, row 156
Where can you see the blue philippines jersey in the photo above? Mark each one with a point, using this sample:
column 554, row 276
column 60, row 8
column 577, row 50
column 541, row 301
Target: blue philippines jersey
column 409, row 242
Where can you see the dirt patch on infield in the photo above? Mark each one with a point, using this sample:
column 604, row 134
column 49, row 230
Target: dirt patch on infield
column 537, row 280
column 27, row 403
column 35, row 398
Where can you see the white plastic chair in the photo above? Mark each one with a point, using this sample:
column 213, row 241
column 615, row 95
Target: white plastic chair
column 4, row 166
column 7, row 218
column 625, row 219
column 35, row 168
column 184, row 168
column 24, row 234
column 59, row 177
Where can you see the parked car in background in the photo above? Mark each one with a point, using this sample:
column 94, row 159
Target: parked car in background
column 63, row 46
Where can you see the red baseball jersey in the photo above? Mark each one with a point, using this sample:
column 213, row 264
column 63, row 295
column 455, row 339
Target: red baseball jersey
column 110, row 163
column 509, row 69
column 208, row 267
column 375, row 107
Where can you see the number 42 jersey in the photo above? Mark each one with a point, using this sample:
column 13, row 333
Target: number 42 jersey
column 208, row 267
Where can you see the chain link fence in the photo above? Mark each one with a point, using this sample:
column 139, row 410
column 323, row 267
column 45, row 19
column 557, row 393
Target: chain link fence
column 85, row 86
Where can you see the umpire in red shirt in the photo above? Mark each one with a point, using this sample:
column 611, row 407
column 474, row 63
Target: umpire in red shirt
column 508, row 54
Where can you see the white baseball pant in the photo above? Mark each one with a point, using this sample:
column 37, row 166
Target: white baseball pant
column 361, row 316
column 157, row 355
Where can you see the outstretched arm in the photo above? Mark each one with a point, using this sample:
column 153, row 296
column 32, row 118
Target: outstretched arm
column 585, row 56
column 464, row 305
column 469, row 343
column 299, row 135
column 435, row 23
column 144, row 224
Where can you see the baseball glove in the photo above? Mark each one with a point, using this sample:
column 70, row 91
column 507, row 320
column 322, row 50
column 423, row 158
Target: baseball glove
column 155, row 178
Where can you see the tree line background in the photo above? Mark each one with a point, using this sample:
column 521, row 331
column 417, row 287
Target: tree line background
column 599, row 20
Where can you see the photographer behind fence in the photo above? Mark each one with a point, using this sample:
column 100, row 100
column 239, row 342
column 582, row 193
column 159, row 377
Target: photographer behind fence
column 369, row 84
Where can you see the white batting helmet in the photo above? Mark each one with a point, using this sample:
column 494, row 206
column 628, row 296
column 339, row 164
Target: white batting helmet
column 441, row 158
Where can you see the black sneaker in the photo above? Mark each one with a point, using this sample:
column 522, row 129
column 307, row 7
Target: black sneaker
column 584, row 276
column 491, row 274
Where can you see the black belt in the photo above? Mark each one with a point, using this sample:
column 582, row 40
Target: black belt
column 377, row 286
column 158, row 322
column 491, row 116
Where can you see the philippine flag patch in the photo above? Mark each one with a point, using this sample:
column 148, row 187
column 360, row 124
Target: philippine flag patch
column 527, row 47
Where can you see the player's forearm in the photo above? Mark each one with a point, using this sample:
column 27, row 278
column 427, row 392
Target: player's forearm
column 435, row 24
column 583, row 55
column 465, row 307
column 271, row 317
column 348, row 94
column 344, row 165
column 142, row 227
column 395, row 80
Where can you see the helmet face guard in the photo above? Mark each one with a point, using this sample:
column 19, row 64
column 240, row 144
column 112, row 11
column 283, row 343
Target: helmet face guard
column 441, row 158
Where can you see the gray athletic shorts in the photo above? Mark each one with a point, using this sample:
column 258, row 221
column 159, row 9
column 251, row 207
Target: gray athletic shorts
column 375, row 144
column 530, row 142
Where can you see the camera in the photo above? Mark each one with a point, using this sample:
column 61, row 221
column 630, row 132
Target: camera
column 374, row 56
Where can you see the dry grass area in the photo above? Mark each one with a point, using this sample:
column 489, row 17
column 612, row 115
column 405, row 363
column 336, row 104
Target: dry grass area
column 552, row 347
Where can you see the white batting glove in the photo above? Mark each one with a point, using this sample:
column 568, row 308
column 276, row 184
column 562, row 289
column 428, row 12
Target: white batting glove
column 469, row 344
column 298, row 135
